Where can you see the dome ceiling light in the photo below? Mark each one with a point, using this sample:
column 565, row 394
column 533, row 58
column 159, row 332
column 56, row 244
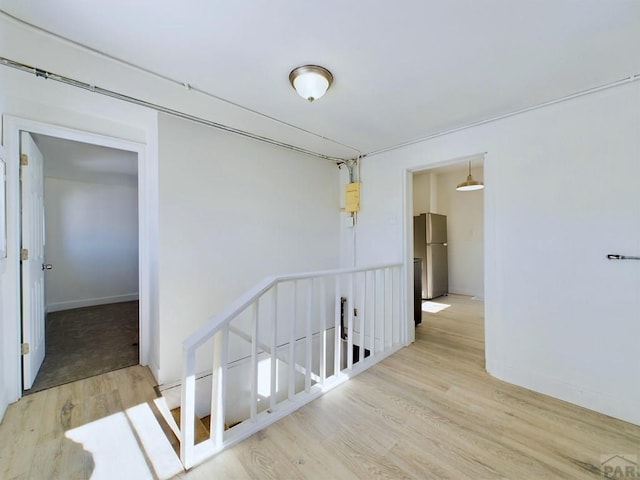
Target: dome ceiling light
column 311, row 81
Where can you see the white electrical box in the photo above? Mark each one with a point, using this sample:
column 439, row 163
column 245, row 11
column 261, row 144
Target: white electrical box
column 348, row 221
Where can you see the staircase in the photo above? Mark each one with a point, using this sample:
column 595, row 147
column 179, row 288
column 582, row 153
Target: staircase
column 281, row 345
column 200, row 425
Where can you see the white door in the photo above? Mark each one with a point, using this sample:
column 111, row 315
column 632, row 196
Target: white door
column 32, row 254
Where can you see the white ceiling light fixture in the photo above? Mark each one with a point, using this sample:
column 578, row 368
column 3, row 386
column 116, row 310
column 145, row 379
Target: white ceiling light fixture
column 469, row 184
column 311, row 81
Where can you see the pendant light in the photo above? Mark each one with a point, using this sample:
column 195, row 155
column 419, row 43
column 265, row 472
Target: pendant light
column 311, row 81
column 469, row 184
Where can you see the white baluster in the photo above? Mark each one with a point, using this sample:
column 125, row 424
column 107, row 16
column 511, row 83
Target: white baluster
column 292, row 344
column 254, row 360
column 402, row 287
column 187, row 407
column 350, row 304
column 323, row 330
column 398, row 320
column 219, row 385
column 383, row 311
column 309, row 345
column 274, row 351
column 336, row 324
column 361, row 312
column 374, row 312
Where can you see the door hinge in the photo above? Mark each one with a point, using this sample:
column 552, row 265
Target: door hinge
column 24, row 160
column 24, row 254
column 24, row 348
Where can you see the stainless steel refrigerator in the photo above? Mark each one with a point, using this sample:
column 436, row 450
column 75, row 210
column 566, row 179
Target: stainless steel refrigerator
column 430, row 244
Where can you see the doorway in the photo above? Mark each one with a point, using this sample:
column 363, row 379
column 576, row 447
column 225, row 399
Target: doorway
column 12, row 309
column 434, row 196
column 90, row 264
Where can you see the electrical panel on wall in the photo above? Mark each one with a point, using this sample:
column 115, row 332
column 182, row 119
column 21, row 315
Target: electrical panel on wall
column 352, row 197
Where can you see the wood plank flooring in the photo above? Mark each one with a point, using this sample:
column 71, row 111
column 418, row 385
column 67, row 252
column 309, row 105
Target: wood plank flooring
column 429, row 411
column 34, row 434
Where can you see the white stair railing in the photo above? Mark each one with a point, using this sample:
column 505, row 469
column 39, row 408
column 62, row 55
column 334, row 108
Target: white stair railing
column 283, row 344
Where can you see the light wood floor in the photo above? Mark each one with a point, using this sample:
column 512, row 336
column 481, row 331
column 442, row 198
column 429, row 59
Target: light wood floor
column 429, row 411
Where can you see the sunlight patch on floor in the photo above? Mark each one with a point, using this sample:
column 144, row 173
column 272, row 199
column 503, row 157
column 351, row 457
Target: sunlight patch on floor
column 113, row 442
column 433, row 307
column 163, row 458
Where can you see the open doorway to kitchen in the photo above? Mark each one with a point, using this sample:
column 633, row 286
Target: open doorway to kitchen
column 448, row 252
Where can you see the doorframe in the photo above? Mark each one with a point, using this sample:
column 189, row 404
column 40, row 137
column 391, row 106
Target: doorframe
column 491, row 292
column 12, row 297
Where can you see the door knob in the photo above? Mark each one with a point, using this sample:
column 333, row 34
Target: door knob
column 47, row 266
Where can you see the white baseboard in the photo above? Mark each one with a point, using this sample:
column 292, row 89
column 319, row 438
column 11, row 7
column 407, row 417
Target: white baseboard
column 465, row 293
column 155, row 370
column 90, row 302
column 620, row 407
column 4, row 403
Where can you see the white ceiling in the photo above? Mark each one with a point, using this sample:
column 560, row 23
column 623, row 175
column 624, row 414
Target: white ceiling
column 79, row 161
column 403, row 70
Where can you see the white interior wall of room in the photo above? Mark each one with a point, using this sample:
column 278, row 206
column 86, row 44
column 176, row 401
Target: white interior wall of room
column 556, row 180
column 434, row 188
column 421, row 193
column 6, row 347
column 69, row 110
column 465, row 228
column 232, row 212
column 91, row 241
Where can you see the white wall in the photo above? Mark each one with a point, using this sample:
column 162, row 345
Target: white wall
column 6, row 341
column 465, row 228
column 422, row 193
column 561, row 192
column 91, row 241
column 232, row 212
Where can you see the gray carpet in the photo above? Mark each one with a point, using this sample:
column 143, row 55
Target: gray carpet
column 88, row 341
